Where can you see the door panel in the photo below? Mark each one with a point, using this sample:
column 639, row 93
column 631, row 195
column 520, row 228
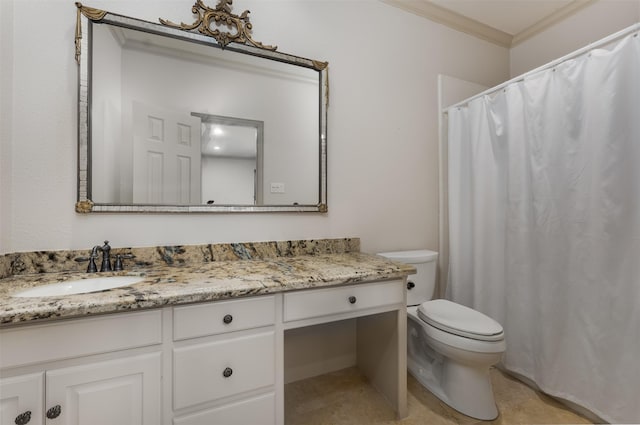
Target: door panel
column 117, row 392
column 22, row 395
column 166, row 156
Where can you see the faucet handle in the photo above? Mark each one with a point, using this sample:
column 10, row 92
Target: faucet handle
column 92, row 265
column 92, row 260
column 118, row 264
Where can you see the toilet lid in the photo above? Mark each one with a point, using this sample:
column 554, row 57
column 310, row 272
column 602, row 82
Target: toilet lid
column 460, row 320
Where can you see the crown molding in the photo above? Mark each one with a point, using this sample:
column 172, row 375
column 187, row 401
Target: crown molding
column 439, row 14
column 557, row 16
column 454, row 20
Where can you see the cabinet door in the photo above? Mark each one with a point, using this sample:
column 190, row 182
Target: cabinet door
column 117, row 392
column 21, row 400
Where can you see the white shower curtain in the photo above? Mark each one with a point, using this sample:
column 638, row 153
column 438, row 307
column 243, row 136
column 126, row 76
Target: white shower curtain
column 544, row 188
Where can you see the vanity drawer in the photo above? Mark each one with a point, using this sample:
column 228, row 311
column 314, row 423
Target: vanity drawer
column 222, row 316
column 66, row 339
column 322, row 302
column 258, row 410
column 212, row 370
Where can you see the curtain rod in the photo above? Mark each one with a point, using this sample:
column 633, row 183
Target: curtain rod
column 600, row 43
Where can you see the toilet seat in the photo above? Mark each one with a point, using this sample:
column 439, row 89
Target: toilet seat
column 460, row 320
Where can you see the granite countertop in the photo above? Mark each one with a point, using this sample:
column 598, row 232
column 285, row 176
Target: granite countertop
column 165, row 285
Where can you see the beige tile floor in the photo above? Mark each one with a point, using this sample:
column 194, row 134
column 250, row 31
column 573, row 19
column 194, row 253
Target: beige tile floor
column 346, row 398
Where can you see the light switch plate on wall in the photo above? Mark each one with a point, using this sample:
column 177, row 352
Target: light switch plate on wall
column 277, row 187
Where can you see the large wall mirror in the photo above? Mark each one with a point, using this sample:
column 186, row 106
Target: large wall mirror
column 196, row 118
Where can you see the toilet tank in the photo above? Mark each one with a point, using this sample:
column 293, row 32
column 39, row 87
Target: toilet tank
column 422, row 284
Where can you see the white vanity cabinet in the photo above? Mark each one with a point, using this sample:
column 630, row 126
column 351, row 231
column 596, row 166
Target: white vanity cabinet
column 224, row 362
column 123, row 391
column 94, row 371
column 21, row 400
column 219, row 362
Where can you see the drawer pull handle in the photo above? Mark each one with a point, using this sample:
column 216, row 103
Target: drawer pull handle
column 54, row 412
column 352, row 299
column 410, row 285
column 227, row 372
column 23, row 418
column 227, row 319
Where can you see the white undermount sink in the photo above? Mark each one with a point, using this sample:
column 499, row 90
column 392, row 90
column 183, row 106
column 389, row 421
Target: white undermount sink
column 79, row 286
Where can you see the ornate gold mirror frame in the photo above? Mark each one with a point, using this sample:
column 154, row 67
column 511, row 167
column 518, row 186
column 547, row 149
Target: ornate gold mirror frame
column 204, row 30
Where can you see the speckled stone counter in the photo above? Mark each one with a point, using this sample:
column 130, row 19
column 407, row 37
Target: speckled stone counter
column 183, row 279
column 77, row 260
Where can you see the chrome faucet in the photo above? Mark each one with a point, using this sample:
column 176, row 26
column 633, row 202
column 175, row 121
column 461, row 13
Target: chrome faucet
column 106, row 258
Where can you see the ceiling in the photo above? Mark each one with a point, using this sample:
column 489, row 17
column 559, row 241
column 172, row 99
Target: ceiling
column 503, row 22
column 229, row 141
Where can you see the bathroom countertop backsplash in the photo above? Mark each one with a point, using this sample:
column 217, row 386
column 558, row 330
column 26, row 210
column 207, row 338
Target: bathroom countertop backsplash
column 78, row 260
column 186, row 274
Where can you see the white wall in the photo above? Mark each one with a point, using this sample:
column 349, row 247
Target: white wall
column 382, row 136
column 106, row 113
column 586, row 26
column 6, row 114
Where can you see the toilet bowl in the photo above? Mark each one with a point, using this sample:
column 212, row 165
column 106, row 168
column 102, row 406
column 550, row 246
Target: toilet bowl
column 450, row 347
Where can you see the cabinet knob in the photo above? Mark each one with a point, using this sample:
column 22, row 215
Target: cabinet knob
column 352, row 299
column 227, row 319
column 410, row 285
column 23, row 418
column 227, row 372
column 54, row 412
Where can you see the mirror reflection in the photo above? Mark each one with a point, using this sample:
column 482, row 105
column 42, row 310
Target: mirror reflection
column 231, row 152
column 173, row 122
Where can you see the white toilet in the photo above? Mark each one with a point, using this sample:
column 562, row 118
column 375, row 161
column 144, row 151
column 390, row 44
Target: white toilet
column 450, row 347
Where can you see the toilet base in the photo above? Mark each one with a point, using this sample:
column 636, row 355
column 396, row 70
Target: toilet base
column 467, row 390
column 466, row 387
